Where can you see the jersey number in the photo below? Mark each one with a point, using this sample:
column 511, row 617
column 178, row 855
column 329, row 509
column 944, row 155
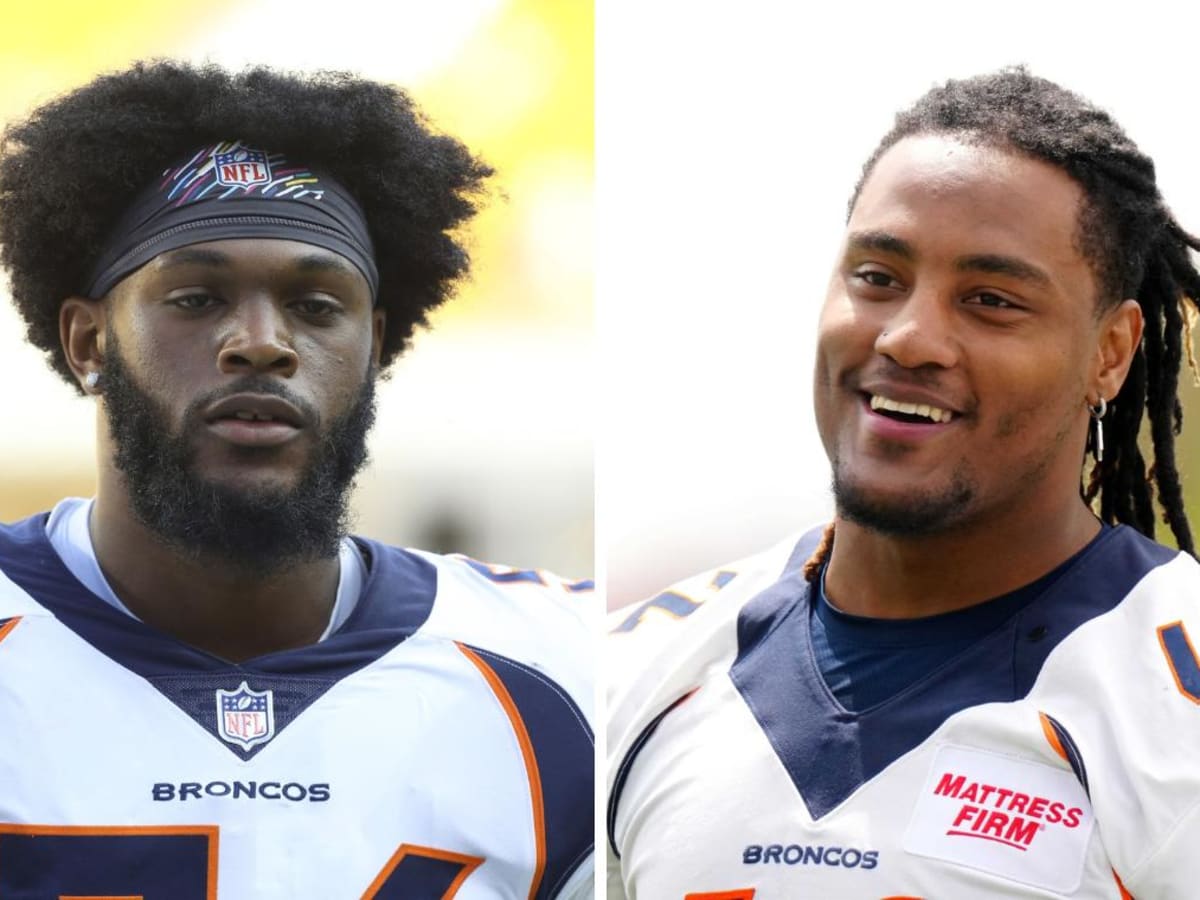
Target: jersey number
column 180, row 863
column 1181, row 657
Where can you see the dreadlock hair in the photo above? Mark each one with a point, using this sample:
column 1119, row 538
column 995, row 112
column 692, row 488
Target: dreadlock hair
column 1135, row 248
column 69, row 171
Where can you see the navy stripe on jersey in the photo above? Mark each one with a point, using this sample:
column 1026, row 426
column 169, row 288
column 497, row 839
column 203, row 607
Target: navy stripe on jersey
column 828, row 751
column 1074, row 757
column 627, row 765
column 563, row 746
column 396, row 600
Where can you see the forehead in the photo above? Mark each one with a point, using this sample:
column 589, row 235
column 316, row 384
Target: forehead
column 949, row 194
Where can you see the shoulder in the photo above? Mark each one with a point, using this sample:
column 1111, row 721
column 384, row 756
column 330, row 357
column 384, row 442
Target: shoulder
column 716, row 597
column 1125, row 575
column 740, row 580
column 527, row 617
column 25, row 533
column 1125, row 590
column 1138, row 652
column 28, row 565
column 661, row 648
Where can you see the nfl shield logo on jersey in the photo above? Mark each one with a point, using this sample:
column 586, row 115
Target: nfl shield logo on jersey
column 245, row 717
column 242, row 167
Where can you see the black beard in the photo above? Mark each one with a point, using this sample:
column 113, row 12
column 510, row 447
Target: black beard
column 909, row 518
column 255, row 530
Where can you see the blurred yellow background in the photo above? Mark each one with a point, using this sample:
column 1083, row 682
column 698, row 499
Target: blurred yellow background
column 484, row 442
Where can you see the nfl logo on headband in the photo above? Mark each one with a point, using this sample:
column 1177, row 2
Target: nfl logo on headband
column 242, row 167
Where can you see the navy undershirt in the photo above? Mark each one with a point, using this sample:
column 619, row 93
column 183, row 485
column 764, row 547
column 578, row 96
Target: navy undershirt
column 866, row 661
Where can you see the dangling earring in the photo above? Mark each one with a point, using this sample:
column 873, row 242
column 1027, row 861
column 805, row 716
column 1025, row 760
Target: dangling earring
column 1098, row 412
column 92, row 381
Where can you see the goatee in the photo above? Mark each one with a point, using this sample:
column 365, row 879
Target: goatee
column 916, row 516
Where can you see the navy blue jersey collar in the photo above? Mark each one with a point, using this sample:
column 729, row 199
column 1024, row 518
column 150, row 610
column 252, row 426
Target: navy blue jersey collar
column 397, row 598
column 828, row 751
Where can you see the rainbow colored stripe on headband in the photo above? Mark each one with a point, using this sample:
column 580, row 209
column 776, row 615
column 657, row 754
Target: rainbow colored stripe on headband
column 229, row 168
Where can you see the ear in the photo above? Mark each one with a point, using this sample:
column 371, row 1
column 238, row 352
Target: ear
column 1119, row 337
column 378, row 328
column 81, row 331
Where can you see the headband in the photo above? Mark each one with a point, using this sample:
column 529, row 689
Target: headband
column 228, row 190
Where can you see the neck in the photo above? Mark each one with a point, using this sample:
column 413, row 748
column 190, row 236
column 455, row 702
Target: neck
column 209, row 603
column 889, row 577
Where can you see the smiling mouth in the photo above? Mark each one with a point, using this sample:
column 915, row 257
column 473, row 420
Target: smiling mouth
column 911, row 413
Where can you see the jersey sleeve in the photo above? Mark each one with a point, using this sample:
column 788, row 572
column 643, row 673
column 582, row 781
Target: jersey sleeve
column 1128, row 688
column 1172, row 872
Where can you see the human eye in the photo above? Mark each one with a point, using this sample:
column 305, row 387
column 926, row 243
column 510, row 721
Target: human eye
column 874, row 277
column 990, row 300
column 317, row 308
column 193, row 301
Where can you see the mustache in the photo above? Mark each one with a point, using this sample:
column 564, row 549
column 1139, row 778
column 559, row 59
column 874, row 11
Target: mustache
column 193, row 416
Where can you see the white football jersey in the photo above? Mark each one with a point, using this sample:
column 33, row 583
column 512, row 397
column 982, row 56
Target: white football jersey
column 1059, row 756
column 436, row 745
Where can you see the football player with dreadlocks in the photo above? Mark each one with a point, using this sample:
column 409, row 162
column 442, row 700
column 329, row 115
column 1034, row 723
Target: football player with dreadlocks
column 980, row 680
column 207, row 688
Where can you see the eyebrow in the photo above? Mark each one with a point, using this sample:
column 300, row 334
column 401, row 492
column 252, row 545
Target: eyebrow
column 995, row 264
column 321, row 262
column 988, row 263
column 880, row 241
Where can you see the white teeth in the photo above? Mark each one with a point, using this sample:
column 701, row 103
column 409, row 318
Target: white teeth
column 912, row 409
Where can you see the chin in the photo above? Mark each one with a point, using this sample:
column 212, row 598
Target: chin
column 903, row 514
column 251, row 484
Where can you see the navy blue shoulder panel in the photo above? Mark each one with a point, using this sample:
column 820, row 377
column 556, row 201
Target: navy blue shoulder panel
column 563, row 747
column 829, row 752
column 800, row 553
column 397, row 598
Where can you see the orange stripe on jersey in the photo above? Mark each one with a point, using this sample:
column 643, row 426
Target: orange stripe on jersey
column 1125, row 895
column 531, row 766
column 8, row 627
column 743, row 894
column 1052, row 737
column 469, row 864
column 209, row 831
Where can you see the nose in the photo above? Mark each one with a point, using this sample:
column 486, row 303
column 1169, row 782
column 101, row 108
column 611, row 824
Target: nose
column 920, row 331
column 258, row 340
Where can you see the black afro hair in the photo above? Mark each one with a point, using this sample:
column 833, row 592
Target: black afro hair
column 69, row 171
